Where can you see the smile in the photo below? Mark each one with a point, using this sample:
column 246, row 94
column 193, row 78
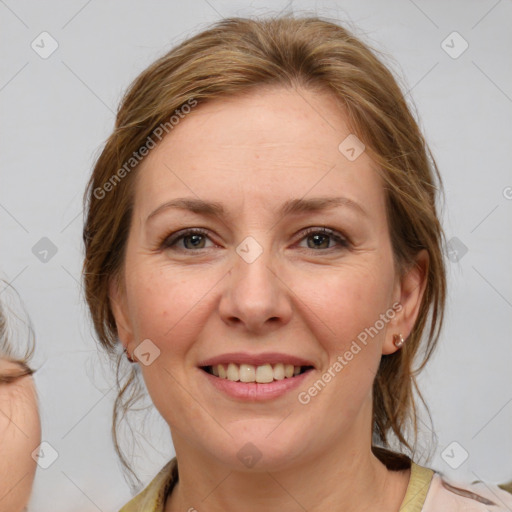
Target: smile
column 261, row 374
column 255, row 377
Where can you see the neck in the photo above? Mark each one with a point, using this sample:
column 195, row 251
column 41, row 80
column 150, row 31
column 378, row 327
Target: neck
column 350, row 480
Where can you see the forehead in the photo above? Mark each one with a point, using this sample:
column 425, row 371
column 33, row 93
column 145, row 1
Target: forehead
column 270, row 145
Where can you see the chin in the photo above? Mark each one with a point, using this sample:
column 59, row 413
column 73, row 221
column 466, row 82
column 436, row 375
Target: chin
column 257, row 449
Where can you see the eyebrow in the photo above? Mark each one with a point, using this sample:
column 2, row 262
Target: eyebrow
column 290, row 207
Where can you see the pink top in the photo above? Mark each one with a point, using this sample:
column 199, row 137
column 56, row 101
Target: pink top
column 429, row 491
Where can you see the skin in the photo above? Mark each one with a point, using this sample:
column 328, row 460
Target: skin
column 20, row 434
column 252, row 153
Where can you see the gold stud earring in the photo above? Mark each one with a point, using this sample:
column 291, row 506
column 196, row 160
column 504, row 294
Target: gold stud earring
column 128, row 356
column 398, row 340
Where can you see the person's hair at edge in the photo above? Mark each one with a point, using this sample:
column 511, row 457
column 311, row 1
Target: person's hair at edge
column 20, row 427
column 15, row 325
column 237, row 55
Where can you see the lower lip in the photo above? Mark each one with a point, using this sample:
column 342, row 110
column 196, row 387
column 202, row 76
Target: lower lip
column 254, row 391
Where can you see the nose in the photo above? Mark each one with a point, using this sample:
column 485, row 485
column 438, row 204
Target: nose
column 255, row 297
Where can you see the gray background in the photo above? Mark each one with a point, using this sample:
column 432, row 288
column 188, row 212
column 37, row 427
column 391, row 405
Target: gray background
column 56, row 113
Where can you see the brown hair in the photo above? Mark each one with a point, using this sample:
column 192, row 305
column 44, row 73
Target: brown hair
column 234, row 56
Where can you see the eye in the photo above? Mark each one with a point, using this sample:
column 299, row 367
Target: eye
column 321, row 238
column 191, row 238
column 195, row 239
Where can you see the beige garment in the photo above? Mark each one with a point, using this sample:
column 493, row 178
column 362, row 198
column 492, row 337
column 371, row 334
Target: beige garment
column 427, row 491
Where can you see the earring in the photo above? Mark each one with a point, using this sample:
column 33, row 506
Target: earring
column 128, row 356
column 398, row 340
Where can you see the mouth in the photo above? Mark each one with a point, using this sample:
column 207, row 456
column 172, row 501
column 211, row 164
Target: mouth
column 261, row 374
column 243, row 376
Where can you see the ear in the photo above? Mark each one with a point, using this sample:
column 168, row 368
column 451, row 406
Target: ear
column 117, row 298
column 409, row 290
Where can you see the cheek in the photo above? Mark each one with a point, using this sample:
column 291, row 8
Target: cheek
column 162, row 303
column 20, row 434
column 346, row 303
column 170, row 307
column 344, row 314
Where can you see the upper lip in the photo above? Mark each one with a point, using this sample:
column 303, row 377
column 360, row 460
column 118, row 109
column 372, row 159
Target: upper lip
column 255, row 359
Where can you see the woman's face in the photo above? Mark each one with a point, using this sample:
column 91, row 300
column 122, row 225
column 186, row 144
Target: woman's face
column 20, row 435
column 260, row 283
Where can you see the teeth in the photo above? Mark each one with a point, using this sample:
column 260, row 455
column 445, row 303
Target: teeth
column 250, row 373
column 233, row 372
column 265, row 373
column 279, row 371
column 247, row 373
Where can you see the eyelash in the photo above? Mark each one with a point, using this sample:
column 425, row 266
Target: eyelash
column 170, row 241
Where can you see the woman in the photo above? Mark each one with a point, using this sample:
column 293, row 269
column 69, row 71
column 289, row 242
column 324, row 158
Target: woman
column 263, row 241
column 20, row 428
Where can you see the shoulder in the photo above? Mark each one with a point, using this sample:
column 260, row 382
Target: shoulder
column 152, row 498
column 452, row 495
